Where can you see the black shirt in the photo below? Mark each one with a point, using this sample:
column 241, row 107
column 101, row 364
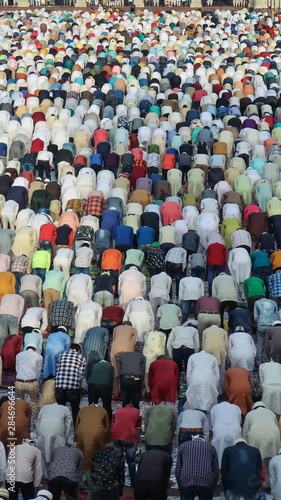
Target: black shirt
column 103, row 283
column 154, row 466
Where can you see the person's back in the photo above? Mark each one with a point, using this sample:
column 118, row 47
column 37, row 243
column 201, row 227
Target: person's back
column 241, row 469
column 57, row 343
column 153, row 475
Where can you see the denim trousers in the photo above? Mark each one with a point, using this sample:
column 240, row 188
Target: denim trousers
column 190, row 492
column 213, row 271
column 8, row 323
column 261, row 333
column 168, row 448
column 130, row 452
column 102, row 494
column 186, row 308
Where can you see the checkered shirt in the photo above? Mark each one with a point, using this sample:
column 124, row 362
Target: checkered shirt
column 62, row 313
column 73, row 94
column 274, row 284
column 12, row 304
column 95, row 205
column 197, row 464
column 76, row 205
column 70, row 369
column 20, row 264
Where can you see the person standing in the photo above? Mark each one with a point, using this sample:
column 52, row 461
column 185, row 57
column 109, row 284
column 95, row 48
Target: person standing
column 241, row 471
column 27, row 471
column 69, row 375
column 190, row 290
column 53, row 428
column 163, row 381
column 152, row 479
column 65, row 472
column 197, row 469
column 107, row 474
column 131, row 371
column 160, row 423
column 92, row 430
column 28, row 370
column 11, row 310
column 183, row 341
column 125, row 434
column 265, row 314
column 275, row 476
column 100, row 382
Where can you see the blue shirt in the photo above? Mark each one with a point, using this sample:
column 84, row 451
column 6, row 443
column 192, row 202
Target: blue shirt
column 265, row 311
column 124, row 236
column 145, row 235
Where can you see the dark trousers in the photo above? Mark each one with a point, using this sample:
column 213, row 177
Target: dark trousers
column 190, row 492
column 130, row 390
column 69, row 395
column 175, row 272
column 186, row 308
column 59, row 484
column 198, row 272
column 262, row 272
column 43, row 166
column 96, row 391
column 31, row 299
column 213, row 271
column 146, row 490
column 18, row 277
column 181, row 355
column 231, row 304
column 27, row 490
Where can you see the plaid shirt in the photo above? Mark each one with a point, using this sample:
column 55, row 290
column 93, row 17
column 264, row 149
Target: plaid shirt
column 12, row 304
column 62, row 313
column 73, row 94
column 76, row 205
column 274, row 284
column 95, row 205
column 70, row 369
column 140, row 163
column 197, row 464
column 20, row 264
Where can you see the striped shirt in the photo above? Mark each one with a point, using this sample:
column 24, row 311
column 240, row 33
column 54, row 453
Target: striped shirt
column 241, row 237
column 213, row 237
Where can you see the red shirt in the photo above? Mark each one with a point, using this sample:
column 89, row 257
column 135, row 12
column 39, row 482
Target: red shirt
column 163, row 380
column 48, row 232
column 216, row 255
column 126, row 421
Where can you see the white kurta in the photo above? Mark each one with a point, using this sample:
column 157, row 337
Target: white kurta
column 139, row 313
column 226, row 424
column 53, row 428
column 79, row 289
column 275, row 477
column 202, row 378
column 242, row 350
column 88, row 315
column 239, row 264
column 206, row 223
column 270, row 379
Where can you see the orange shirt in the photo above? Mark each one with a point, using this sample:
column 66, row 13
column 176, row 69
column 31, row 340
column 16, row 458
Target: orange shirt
column 276, row 259
column 111, row 259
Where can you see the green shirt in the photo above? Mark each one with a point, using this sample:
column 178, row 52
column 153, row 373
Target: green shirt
column 41, row 259
column 254, row 286
column 160, row 423
column 102, row 374
column 134, row 257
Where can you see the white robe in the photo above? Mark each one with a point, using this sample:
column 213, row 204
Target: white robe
column 206, row 223
column 53, row 429
column 239, row 264
column 79, row 289
column 139, row 313
column 88, row 315
column 242, row 350
column 226, row 424
column 202, row 378
column 275, row 477
column 270, row 379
